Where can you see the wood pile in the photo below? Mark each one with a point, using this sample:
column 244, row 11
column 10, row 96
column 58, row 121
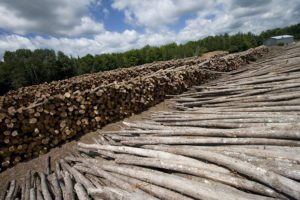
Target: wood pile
column 28, row 131
column 234, row 138
column 26, row 95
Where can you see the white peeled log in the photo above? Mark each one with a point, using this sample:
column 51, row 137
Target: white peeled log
column 258, row 132
column 155, row 154
column 97, row 181
column 81, row 193
column 274, row 180
column 27, row 185
column 32, row 195
column 160, row 192
column 77, row 175
column 45, row 188
column 230, row 189
column 120, row 183
column 10, row 192
column 56, row 187
column 114, row 194
column 292, row 154
column 68, row 192
column 229, row 179
column 289, row 170
column 207, row 140
column 176, row 183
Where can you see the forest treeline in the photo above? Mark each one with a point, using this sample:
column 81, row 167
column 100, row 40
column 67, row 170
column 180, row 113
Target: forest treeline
column 24, row 67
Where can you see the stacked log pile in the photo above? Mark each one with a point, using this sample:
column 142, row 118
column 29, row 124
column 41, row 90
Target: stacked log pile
column 234, row 138
column 26, row 95
column 60, row 114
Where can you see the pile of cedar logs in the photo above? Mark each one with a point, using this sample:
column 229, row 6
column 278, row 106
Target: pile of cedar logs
column 233, row 138
column 37, row 118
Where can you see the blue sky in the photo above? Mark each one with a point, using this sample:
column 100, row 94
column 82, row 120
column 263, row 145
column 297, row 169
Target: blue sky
column 79, row 27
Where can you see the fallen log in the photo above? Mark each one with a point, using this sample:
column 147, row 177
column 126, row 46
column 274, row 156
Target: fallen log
column 228, row 179
column 56, row 188
column 153, row 153
column 222, row 186
column 28, row 185
column 77, row 175
column 45, row 187
column 207, row 141
column 32, row 195
column 68, row 192
column 292, row 155
column 10, row 192
column 280, row 183
column 114, row 194
column 120, row 183
column 183, row 185
column 159, row 192
column 289, row 170
column 194, row 131
column 80, row 191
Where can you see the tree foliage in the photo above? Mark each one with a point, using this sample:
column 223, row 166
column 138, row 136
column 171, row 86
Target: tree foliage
column 24, row 67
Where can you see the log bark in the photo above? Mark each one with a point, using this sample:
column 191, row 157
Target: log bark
column 281, row 183
column 32, row 194
column 77, row 175
column 182, row 185
column 45, row 187
column 68, row 194
column 10, row 191
column 159, row 192
column 81, row 193
column 27, row 185
column 56, row 188
column 229, row 179
column 207, row 140
column 120, row 183
column 155, row 154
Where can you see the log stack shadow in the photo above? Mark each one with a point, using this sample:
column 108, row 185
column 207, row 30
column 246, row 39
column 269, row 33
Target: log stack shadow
column 37, row 118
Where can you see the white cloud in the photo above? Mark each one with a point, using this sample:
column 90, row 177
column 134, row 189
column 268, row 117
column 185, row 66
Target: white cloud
column 105, row 42
column 13, row 42
column 9, row 20
column 55, row 17
column 86, row 26
column 157, row 13
column 232, row 16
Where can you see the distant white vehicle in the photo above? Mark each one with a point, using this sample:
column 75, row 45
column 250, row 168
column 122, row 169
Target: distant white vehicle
column 279, row 40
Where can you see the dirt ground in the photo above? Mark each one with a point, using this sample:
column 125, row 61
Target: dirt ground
column 19, row 171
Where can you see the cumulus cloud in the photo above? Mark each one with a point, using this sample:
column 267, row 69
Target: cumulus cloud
column 157, row 13
column 105, row 42
column 55, row 17
column 232, row 16
column 250, row 4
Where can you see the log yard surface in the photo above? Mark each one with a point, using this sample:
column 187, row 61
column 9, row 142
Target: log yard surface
column 229, row 130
